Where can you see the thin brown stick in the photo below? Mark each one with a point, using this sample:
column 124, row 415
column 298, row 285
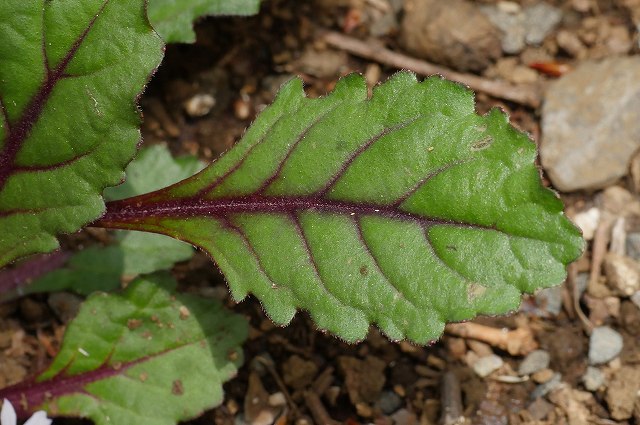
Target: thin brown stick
column 572, row 283
column 315, row 406
column 268, row 364
column 528, row 95
column 451, row 400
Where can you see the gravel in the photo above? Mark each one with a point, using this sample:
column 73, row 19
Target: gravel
column 535, row 361
column 486, row 365
column 593, row 378
column 605, row 345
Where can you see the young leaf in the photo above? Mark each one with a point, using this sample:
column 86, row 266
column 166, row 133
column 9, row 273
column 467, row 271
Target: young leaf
column 99, row 268
column 147, row 353
column 174, row 19
column 133, row 253
column 70, row 72
column 407, row 210
column 152, row 169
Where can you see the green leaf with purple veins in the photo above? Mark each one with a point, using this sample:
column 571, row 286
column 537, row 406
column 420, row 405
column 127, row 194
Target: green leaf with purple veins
column 70, row 72
column 174, row 19
column 407, row 210
column 148, row 353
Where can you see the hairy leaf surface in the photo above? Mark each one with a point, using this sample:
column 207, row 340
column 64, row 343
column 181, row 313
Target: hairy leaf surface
column 174, row 19
column 406, row 210
column 68, row 118
column 132, row 253
column 146, row 356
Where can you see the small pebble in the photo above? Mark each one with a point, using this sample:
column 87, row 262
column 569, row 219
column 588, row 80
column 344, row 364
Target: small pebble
column 542, row 376
column 535, row 361
column 389, row 402
column 484, row 366
column 593, row 378
column 403, row 416
column 550, row 300
column 633, row 245
column 364, row 410
column 543, row 389
column 588, row 221
column 635, row 298
column 605, row 345
column 199, row 105
column 242, row 108
column 540, row 408
column 277, row 399
column 623, row 274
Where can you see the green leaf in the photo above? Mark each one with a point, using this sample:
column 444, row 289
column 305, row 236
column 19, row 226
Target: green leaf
column 174, row 19
column 152, row 169
column 146, row 356
column 133, row 253
column 70, row 72
column 406, row 210
column 105, row 268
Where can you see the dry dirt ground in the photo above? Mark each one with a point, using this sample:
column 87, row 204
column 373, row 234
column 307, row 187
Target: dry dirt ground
column 481, row 374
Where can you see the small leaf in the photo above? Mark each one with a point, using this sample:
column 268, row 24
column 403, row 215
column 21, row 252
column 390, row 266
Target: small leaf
column 133, row 253
column 147, row 353
column 100, row 268
column 152, row 169
column 406, row 210
column 174, row 19
column 68, row 118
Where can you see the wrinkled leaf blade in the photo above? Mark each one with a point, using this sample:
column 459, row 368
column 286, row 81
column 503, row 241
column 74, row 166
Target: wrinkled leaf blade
column 174, row 19
column 406, row 210
column 148, row 353
column 68, row 118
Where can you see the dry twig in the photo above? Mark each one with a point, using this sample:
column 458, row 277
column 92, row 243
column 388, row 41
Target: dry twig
column 319, row 413
column 451, row 400
column 528, row 95
column 516, row 342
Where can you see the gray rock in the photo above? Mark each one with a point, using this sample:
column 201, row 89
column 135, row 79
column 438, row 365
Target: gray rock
column 590, row 116
column 541, row 19
column 523, row 26
column 450, row 33
column 593, row 378
column 484, row 366
column 605, row 345
column 543, row 389
column 389, row 402
column 550, row 300
column 535, row 361
column 633, row 245
column 512, row 26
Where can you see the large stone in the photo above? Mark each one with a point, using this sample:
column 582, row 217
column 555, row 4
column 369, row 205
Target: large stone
column 590, row 124
column 452, row 33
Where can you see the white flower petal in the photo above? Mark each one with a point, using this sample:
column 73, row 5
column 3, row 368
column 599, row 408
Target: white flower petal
column 38, row 418
column 8, row 415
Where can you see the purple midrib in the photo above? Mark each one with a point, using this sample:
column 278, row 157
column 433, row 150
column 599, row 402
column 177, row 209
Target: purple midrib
column 129, row 211
column 34, row 394
column 19, row 130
